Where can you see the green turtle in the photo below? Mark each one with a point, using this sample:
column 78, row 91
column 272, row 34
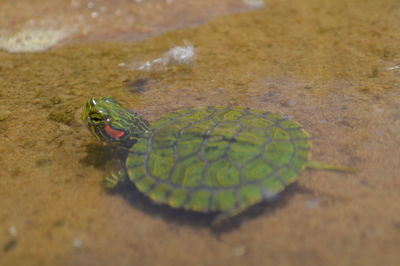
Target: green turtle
column 215, row 159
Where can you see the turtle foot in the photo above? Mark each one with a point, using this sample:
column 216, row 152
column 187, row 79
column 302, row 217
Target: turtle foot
column 114, row 179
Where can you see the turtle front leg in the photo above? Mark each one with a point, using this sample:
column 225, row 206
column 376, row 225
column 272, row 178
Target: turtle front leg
column 115, row 178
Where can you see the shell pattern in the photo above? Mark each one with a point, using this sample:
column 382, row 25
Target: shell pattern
column 218, row 158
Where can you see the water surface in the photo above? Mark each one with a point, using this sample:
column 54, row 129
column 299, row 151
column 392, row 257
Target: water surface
column 327, row 64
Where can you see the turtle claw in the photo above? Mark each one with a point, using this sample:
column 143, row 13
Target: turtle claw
column 114, row 179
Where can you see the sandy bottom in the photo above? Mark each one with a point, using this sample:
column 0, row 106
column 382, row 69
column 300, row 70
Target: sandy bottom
column 331, row 65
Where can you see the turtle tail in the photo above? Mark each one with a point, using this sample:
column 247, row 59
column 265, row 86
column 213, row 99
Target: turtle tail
column 322, row 166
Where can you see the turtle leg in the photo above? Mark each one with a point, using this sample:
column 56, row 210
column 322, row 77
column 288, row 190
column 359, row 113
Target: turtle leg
column 115, row 178
column 222, row 217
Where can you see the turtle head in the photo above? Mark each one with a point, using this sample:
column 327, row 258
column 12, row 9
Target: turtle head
column 111, row 122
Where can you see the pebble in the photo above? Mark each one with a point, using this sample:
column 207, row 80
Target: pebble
column 239, row 251
column 254, row 3
column 12, row 230
column 90, row 5
column 77, row 243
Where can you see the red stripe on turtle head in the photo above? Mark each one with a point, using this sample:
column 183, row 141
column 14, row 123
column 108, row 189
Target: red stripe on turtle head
column 114, row 133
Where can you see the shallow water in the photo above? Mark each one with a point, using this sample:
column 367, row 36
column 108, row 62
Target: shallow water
column 327, row 64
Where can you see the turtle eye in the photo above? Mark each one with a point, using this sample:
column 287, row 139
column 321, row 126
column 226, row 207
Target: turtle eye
column 95, row 118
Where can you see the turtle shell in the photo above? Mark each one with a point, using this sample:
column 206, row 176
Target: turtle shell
column 218, row 158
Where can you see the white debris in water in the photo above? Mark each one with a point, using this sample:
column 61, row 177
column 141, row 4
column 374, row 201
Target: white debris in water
column 31, row 40
column 393, row 67
column 12, row 230
column 77, row 243
column 180, row 55
column 254, row 3
column 176, row 55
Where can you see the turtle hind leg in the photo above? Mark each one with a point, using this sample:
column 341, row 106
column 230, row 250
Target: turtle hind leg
column 225, row 216
column 322, row 166
column 114, row 179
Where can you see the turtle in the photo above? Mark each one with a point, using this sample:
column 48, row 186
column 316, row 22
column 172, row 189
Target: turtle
column 219, row 159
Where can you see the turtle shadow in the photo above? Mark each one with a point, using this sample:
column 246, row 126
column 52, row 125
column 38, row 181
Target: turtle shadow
column 141, row 202
column 263, row 209
column 109, row 157
column 104, row 156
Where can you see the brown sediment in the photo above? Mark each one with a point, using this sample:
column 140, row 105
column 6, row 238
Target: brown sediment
column 324, row 63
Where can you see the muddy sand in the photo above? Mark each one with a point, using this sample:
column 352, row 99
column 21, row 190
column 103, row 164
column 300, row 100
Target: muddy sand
column 331, row 65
